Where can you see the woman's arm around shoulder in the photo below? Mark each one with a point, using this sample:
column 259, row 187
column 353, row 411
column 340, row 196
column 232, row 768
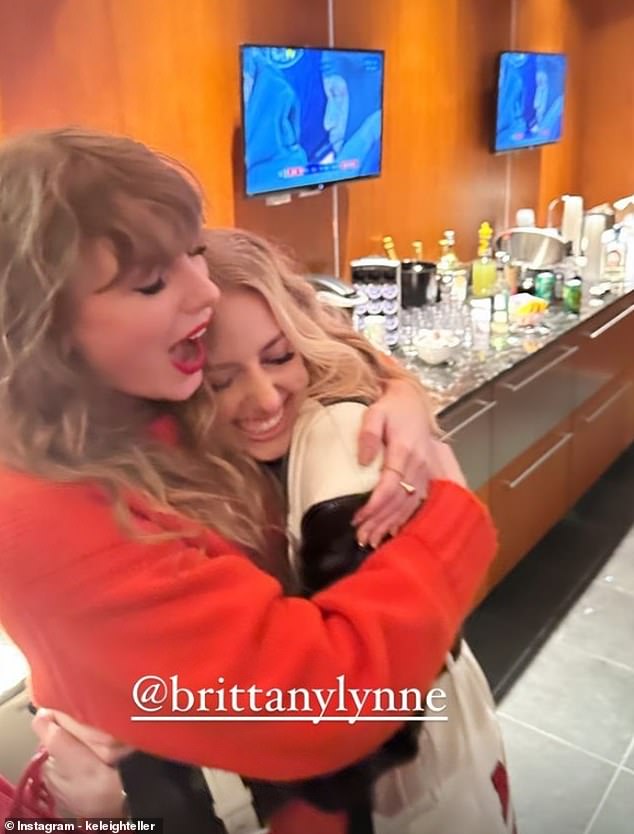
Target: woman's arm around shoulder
column 189, row 617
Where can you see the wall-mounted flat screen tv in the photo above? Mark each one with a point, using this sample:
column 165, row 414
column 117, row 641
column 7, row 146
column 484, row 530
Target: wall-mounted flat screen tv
column 310, row 117
column 530, row 100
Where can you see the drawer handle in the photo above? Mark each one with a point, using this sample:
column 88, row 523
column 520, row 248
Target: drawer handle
column 484, row 408
column 528, row 472
column 601, row 330
column 604, row 406
column 567, row 352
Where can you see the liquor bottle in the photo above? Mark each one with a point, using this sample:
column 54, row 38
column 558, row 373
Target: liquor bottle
column 452, row 274
column 389, row 248
column 417, row 245
column 448, row 257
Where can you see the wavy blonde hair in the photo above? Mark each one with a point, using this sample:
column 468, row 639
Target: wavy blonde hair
column 61, row 188
column 340, row 362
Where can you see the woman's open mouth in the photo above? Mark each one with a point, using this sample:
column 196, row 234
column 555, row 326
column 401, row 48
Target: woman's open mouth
column 261, row 430
column 189, row 355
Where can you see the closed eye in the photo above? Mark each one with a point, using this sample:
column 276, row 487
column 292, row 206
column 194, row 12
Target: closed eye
column 160, row 283
column 280, row 360
column 221, row 386
column 153, row 288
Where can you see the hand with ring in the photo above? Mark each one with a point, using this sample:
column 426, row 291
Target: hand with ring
column 410, row 489
column 80, row 782
column 403, row 423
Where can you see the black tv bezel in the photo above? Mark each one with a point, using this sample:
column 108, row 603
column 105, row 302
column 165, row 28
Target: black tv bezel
column 316, row 186
column 537, row 145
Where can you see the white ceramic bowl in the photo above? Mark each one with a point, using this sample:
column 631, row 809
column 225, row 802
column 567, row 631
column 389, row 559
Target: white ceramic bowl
column 436, row 346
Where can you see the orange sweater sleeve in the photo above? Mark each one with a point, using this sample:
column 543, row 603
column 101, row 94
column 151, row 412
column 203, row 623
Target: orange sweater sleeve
column 94, row 612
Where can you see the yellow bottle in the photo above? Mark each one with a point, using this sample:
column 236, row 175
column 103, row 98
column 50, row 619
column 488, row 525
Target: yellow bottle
column 483, row 270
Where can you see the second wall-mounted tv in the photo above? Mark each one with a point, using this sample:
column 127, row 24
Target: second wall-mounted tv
column 310, row 116
column 530, row 100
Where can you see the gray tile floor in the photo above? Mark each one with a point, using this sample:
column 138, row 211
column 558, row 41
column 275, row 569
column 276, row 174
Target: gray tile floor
column 556, row 640
column 568, row 719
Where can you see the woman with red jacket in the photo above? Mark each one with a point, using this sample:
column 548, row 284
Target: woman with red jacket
column 114, row 541
column 280, row 403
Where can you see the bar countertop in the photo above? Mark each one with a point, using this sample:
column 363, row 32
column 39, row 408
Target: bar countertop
column 448, row 384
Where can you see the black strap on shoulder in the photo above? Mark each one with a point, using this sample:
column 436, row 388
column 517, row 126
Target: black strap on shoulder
column 329, row 549
column 176, row 793
column 360, row 819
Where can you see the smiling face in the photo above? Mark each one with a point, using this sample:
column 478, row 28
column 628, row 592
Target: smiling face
column 139, row 331
column 259, row 379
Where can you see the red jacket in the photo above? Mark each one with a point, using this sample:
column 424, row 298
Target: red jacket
column 94, row 611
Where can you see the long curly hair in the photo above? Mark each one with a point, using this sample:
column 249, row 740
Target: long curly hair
column 339, row 361
column 60, row 188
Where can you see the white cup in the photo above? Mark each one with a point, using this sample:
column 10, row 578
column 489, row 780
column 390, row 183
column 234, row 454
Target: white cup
column 374, row 331
column 525, row 217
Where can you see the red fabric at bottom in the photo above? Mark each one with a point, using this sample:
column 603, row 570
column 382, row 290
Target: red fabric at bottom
column 500, row 781
column 29, row 799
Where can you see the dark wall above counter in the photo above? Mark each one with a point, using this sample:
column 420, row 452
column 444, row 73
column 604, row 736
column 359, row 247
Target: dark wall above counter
column 535, row 425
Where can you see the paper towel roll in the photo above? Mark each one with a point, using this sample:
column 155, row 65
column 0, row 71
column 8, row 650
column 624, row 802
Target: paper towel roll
column 593, row 228
column 572, row 221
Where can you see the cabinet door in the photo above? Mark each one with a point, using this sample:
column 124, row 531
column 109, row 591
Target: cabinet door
column 468, row 428
column 630, row 411
column 532, row 400
column 529, row 496
column 602, row 430
column 606, row 348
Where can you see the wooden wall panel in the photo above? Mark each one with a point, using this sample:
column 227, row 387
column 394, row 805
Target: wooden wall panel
column 56, row 64
column 607, row 158
column 168, row 73
column 437, row 170
column 541, row 174
column 176, row 87
column 165, row 72
column 139, row 67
